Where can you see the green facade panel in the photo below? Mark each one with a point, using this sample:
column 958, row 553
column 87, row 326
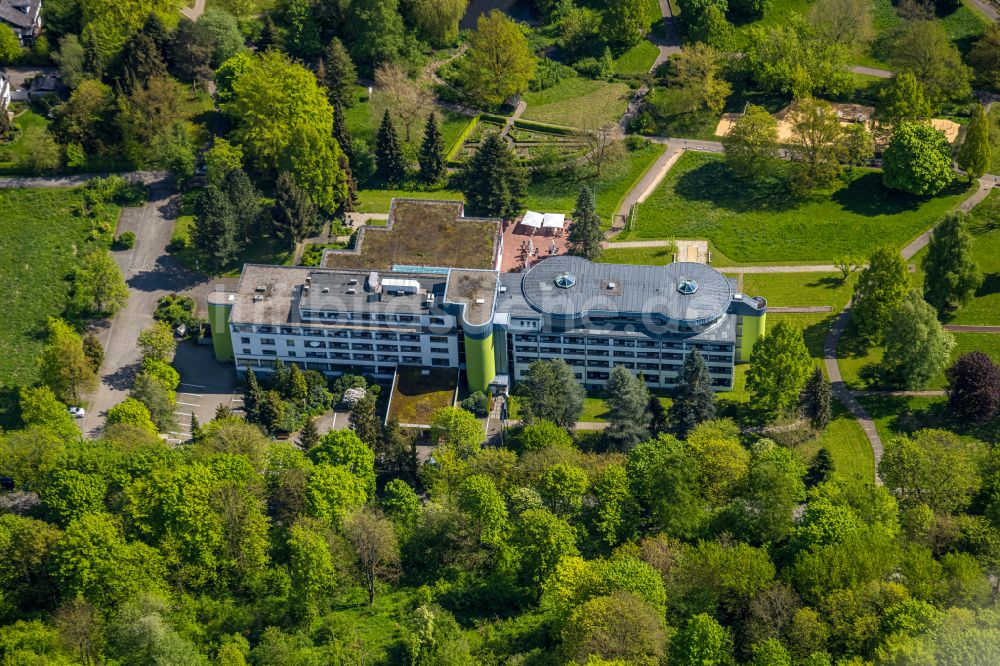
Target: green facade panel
column 753, row 328
column 480, row 363
column 222, row 342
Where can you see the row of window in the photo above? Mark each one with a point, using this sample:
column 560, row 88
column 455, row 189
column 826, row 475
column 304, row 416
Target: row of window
column 387, row 358
column 368, row 316
column 339, row 333
column 617, row 343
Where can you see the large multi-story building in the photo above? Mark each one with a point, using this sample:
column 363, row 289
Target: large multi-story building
column 491, row 324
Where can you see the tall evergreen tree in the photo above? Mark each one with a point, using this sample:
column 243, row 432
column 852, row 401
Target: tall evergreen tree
column 351, row 201
column 270, row 37
column 658, row 421
column 309, row 435
column 951, row 275
column 494, row 181
column 245, row 201
column 694, row 399
column 431, row 156
column 816, row 400
column 341, row 76
column 340, row 131
column 216, row 232
column 363, row 419
column 976, row 152
column 295, row 216
column 585, row 235
column 627, row 401
column 390, row 166
column 253, row 396
column 141, row 60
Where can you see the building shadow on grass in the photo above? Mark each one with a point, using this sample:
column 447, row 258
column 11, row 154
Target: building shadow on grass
column 713, row 183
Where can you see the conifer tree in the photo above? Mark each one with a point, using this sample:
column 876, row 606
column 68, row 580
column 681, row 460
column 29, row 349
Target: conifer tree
column 494, row 182
column 216, row 232
column 658, row 421
column 295, row 216
column 585, row 235
column 269, row 38
column 390, row 167
column 341, row 76
column 195, row 428
column 245, row 201
column 253, row 395
column 363, row 419
column 951, row 275
column 976, row 152
column 223, row 411
column 694, row 400
column 309, row 435
column 627, row 400
column 431, row 156
column 351, row 202
column 340, row 131
column 816, row 400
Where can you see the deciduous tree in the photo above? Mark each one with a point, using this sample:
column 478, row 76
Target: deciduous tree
column 923, row 49
column 131, row 412
column 847, row 22
column 314, row 161
column 985, row 57
column 696, row 73
column 63, row 366
column 549, row 391
column 817, row 144
column 788, row 58
column 457, row 429
column 951, row 275
column 932, row 467
column 99, row 286
column 751, row 146
column 499, row 62
column 701, row 641
column 974, row 387
column 437, row 20
column 779, row 367
column 10, row 45
column 626, row 22
column 374, row 542
column 619, row 628
column 377, row 33
column 401, row 96
column 880, row 288
column 40, row 409
column 917, row 348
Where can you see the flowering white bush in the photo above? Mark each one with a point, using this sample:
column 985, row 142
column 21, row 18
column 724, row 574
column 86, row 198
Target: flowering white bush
column 352, row 396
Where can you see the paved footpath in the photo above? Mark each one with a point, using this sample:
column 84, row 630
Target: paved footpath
column 76, row 180
column 986, row 184
column 964, row 328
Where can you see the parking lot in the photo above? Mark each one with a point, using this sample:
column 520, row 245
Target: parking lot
column 205, row 384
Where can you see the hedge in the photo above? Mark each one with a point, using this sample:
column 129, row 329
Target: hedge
column 543, row 128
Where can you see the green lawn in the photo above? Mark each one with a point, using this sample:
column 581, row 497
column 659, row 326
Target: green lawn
column 699, row 199
column 895, row 416
column 984, row 309
column 646, row 256
column 363, row 120
column 850, row 452
column 852, row 365
column 559, row 196
column 800, row 289
column 11, row 153
column 377, row 201
column 638, row 59
column 578, row 102
column 995, row 136
column 42, row 237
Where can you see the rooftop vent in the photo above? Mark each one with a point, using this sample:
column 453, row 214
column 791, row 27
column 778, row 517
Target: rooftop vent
column 565, row 280
column 503, row 290
column 687, row 287
column 612, row 285
column 352, row 281
column 326, row 290
column 260, row 289
column 480, row 301
column 308, row 279
column 352, row 291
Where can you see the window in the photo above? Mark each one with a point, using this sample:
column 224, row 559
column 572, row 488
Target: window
column 269, row 352
column 245, row 341
column 439, row 350
column 290, row 343
column 439, row 338
column 246, row 350
column 291, row 353
column 437, row 321
column 267, row 341
column 313, row 354
column 440, row 362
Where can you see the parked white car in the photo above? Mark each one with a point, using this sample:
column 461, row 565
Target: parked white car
column 77, row 412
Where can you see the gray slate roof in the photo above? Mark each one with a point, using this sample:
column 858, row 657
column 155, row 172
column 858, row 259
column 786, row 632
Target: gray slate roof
column 10, row 14
column 627, row 289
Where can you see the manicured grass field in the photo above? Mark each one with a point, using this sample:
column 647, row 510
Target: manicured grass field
column 700, row 199
column 42, row 238
column 995, row 135
column 800, row 289
column 984, row 308
column 578, row 102
column 850, row 452
column 560, row 196
column 638, row 59
column 377, row 201
column 647, row 256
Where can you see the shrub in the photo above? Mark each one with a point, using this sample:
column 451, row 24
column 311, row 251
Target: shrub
column 478, row 403
column 125, row 241
column 176, row 310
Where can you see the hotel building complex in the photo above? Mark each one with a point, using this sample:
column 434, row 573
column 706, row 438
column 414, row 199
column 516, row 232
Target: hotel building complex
column 363, row 312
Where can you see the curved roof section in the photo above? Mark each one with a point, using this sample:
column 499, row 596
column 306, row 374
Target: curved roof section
column 613, row 289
